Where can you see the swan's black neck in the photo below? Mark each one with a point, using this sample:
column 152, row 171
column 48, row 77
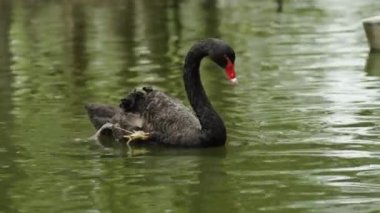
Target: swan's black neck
column 213, row 130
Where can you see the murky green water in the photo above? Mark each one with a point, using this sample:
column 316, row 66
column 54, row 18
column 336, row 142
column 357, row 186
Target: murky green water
column 303, row 124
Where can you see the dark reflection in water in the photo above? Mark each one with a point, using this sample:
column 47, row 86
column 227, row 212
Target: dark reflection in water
column 75, row 21
column 303, row 123
column 211, row 18
column 10, row 172
column 211, row 178
column 373, row 64
column 124, row 21
column 280, row 5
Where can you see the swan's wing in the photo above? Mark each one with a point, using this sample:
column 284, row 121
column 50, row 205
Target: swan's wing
column 165, row 118
column 167, row 115
column 100, row 114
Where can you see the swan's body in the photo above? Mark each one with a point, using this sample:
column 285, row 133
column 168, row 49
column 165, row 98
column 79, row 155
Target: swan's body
column 165, row 119
column 164, row 114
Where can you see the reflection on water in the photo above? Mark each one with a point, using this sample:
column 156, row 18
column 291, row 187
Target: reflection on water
column 373, row 64
column 303, row 124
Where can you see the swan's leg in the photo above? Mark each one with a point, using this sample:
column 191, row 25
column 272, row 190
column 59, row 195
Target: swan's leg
column 137, row 135
column 118, row 132
column 97, row 134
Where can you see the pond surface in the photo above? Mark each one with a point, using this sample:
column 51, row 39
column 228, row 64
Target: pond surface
column 303, row 123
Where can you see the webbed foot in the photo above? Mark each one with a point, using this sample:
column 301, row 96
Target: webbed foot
column 137, row 135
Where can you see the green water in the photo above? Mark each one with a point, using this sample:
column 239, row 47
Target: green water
column 303, row 123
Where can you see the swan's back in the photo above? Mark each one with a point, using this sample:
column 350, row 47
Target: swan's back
column 165, row 118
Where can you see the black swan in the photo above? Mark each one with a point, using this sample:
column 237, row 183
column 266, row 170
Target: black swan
column 152, row 117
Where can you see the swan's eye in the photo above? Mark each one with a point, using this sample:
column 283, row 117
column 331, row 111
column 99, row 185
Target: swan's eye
column 230, row 71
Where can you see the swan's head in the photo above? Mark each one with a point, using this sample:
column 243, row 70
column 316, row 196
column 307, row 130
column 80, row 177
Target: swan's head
column 223, row 55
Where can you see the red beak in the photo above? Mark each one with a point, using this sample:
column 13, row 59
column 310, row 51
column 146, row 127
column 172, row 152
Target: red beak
column 230, row 71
